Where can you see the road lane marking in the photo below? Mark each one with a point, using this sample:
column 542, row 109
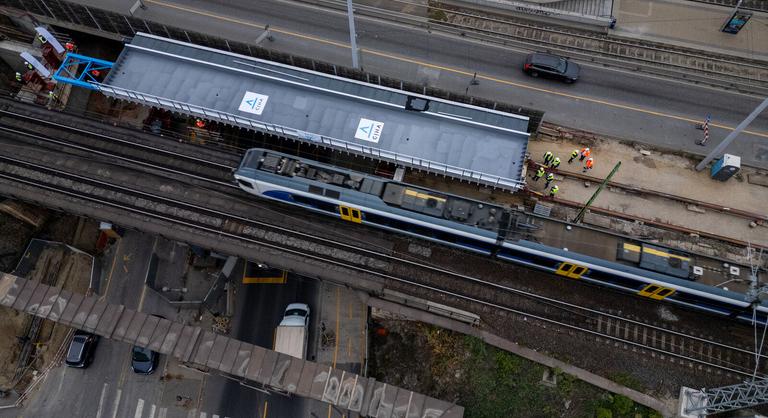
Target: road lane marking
column 116, row 403
column 450, row 69
column 101, row 400
column 162, row 412
column 266, row 406
column 214, row 416
column 139, row 408
column 152, row 411
column 192, row 413
column 203, row 415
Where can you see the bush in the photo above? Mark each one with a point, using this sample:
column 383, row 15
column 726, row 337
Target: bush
column 622, row 405
column 604, row 413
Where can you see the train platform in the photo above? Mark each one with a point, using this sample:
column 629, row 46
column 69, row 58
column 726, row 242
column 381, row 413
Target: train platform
column 466, row 142
column 691, row 24
column 745, row 196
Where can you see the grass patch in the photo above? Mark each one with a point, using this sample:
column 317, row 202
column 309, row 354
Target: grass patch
column 488, row 382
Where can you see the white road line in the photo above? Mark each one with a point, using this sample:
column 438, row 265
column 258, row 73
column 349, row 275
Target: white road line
column 101, row 400
column 203, row 415
column 139, row 408
column 192, row 413
column 152, row 411
column 214, row 416
column 162, row 413
column 117, row 403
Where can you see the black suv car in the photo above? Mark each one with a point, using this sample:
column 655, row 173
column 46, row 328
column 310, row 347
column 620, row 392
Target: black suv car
column 143, row 360
column 552, row 66
column 80, row 353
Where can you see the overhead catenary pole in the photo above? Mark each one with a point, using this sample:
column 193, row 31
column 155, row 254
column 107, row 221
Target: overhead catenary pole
column 728, row 139
column 583, row 210
column 352, row 35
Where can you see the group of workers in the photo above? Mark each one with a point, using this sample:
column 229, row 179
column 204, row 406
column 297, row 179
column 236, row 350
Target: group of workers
column 553, row 162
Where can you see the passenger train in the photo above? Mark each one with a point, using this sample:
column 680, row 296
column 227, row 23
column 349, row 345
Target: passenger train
column 639, row 268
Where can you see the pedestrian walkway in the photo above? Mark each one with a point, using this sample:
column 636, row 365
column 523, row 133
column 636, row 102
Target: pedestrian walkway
column 665, row 173
column 692, row 25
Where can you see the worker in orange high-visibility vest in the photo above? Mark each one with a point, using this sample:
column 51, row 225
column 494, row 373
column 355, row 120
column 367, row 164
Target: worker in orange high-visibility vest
column 589, row 164
column 200, row 123
column 585, row 152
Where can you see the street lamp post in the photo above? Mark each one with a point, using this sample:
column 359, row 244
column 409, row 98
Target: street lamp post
column 352, row 35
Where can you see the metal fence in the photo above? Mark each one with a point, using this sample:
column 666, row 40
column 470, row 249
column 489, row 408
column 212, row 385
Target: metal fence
column 127, row 26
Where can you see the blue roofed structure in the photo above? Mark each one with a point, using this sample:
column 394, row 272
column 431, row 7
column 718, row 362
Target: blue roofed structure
column 458, row 140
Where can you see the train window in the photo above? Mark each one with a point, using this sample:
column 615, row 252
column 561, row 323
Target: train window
column 246, row 184
column 356, row 215
column 579, row 270
column 344, row 211
column 333, row 194
column 566, row 267
column 315, row 190
column 349, row 214
column 665, row 292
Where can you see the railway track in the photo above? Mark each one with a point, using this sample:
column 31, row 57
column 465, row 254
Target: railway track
column 718, row 70
column 712, row 355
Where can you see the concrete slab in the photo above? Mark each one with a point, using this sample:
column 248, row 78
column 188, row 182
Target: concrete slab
column 416, row 406
column 293, row 374
column 244, row 353
column 204, row 348
column 184, row 342
column 230, row 355
column 365, row 405
column 387, row 403
column 333, row 387
column 123, row 323
column 83, row 311
column 60, row 305
column 306, row 379
column 267, row 366
column 48, row 301
column 377, row 394
column 72, row 306
column 146, row 331
column 348, row 383
column 254, row 366
column 435, row 408
column 37, row 298
column 25, row 295
column 217, row 351
column 171, row 338
column 134, row 328
column 158, row 336
column 358, row 394
column 319, row 381
column 96, row 313
column 278, row 373
column 109, row 320
column 402, row 401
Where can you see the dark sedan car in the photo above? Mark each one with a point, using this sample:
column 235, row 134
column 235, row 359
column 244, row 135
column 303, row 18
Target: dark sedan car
column 81, row 349
column 143, row 360
column 551, row 66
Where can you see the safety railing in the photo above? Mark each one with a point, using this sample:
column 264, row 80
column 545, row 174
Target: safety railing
column 330, row 142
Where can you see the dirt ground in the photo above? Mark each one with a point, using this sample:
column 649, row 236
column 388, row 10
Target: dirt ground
column 55, row 265
column 488, row 382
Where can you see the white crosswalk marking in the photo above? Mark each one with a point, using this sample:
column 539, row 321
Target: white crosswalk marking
column 101, row 400
column 203, row 415
column 192, row 413
column 117, row 403
column 139, row 408
column 152, row 411
column 214, row 416
column 162, row 412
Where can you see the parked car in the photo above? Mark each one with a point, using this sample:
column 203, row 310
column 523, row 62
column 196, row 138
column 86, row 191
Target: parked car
column 81, row 349
column 143, row 360
column 551, row 66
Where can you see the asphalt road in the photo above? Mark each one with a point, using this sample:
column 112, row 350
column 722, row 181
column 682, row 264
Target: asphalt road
column 615, row 103
column 259, row 310
column 108, row 388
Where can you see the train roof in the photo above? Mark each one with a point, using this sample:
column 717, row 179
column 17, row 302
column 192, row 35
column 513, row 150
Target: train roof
column 405, row 196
